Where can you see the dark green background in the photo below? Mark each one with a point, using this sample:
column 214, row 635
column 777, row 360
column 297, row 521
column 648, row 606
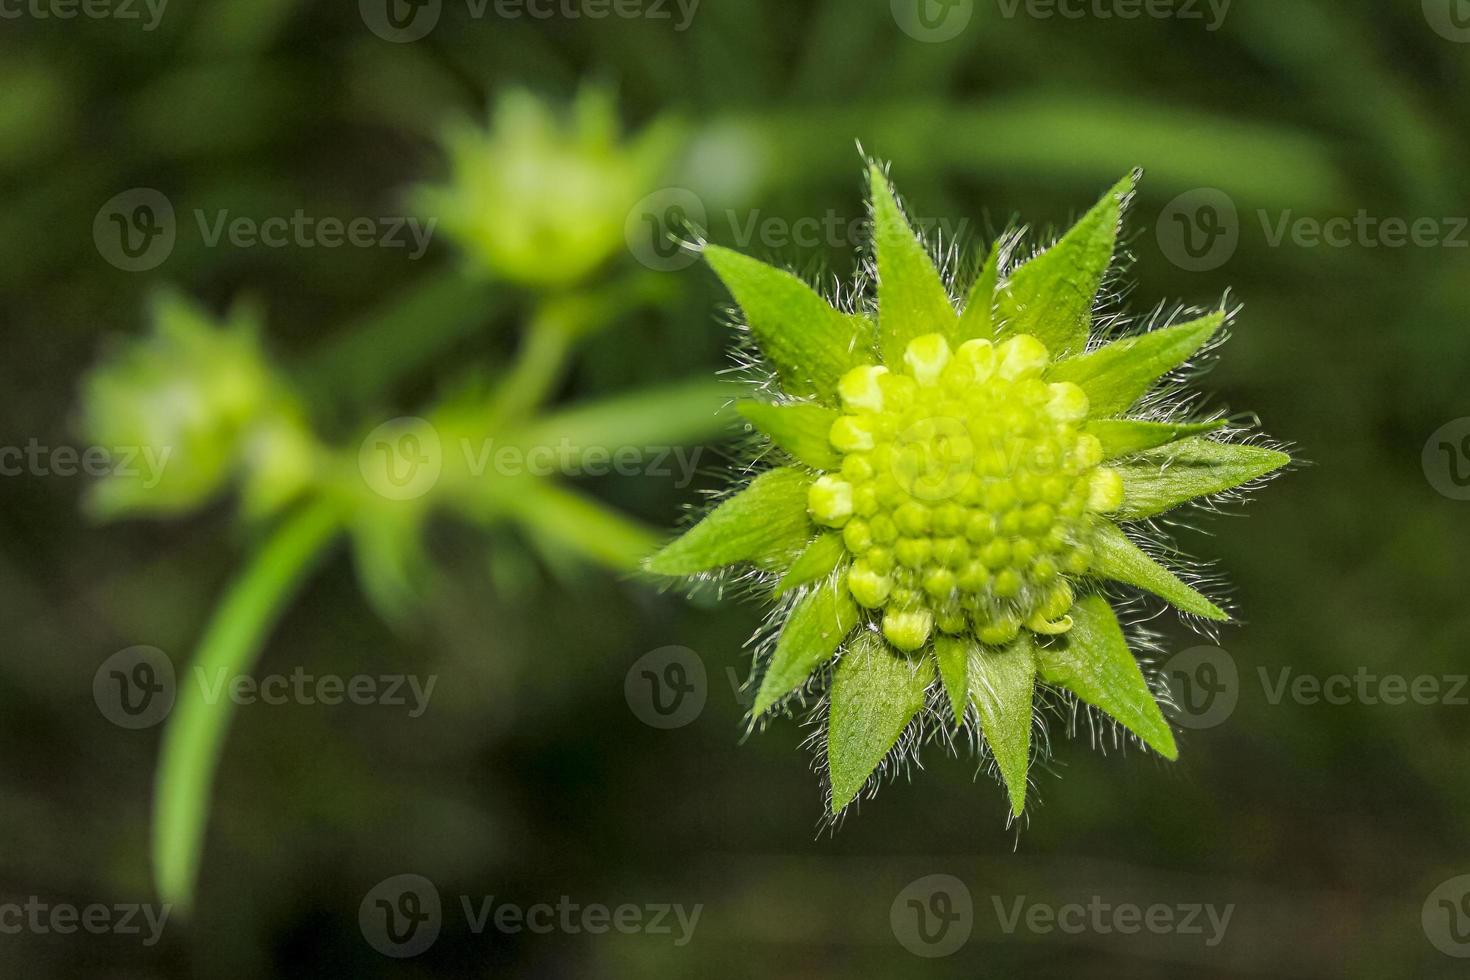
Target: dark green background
column 529, row 777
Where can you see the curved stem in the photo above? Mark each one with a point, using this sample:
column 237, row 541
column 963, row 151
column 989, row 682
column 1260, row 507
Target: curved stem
column 200, row 720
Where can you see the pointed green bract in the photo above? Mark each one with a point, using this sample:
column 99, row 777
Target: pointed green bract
column 952, row 655
column 765, row 523
column 1051, row 297
column 1093, row 662
column 1117, row 558
column 816, row 627
column 1119, row 374
column 1002, row 686
column 1190, row 468
column 801, row 429
column 977, row 322
column 912, row 300
column 1124, row 437
column 876, row 692
column 810, row 344
column 821, row 558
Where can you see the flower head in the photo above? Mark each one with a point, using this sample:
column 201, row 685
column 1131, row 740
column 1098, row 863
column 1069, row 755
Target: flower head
column 959, row 483
column 541, row 199
column 200, row 398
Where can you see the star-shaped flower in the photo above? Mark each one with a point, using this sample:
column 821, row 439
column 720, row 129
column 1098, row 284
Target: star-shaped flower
column 957, row 485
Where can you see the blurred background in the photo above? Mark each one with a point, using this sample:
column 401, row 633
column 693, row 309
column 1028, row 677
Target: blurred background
column 1306, row 156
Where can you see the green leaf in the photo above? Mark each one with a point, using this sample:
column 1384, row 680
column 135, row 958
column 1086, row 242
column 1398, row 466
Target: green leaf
column 802, row 429
column 1191, row 468
column 1051, row 296
column 912, row 300
column 876, row 692
column 678, row 414
column 978, row 319
column 810, row 344
column 765, row 523
column 816, row 627
column 821, row 558
column 1121, row 560
column 952, row 655
column 1002, row 686
column 562, row 521
column 1093, row 662
column 1117, row 375
column 1124, row 437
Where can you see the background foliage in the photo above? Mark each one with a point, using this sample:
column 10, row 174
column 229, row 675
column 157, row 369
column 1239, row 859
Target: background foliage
column 530, row 778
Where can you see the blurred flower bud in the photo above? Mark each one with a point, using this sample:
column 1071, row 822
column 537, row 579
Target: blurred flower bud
column 541, row 199
column 192, row 400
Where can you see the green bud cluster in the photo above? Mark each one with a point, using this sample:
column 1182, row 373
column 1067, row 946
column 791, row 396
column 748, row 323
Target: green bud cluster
column 965, row 491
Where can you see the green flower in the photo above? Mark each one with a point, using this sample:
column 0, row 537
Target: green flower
column 957, row 485
column 541, row 200
column 198, row 397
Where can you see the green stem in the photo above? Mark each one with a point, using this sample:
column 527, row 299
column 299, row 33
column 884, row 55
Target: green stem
column 538, row 367
column 196, row 731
